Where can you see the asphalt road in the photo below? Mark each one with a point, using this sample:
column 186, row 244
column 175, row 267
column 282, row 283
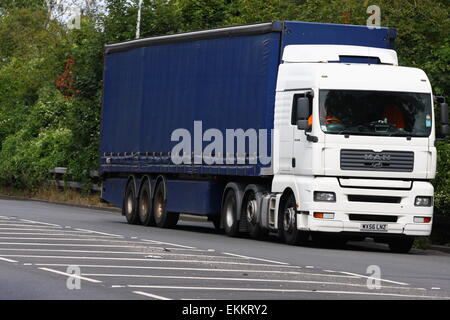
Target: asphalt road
column 43, row 246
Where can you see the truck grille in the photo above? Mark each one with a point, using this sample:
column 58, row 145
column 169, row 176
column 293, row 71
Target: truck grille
column 368, row 160
column 380, row 199
column 372, row 217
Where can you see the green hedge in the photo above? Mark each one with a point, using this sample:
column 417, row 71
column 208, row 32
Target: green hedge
column 442, row 181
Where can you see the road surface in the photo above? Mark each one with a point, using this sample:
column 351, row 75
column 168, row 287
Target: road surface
column 50, row 251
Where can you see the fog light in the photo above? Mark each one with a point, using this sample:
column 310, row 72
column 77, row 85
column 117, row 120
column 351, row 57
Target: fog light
column 323, row 215
column 423, row 201
column 422, row 219
column 324, row 196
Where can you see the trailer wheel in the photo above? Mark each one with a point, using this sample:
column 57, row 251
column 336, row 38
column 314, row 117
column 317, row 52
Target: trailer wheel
column 145, row 205
column 401, row 245
column 287, row 222
column 229, row 214
column 163, row 218
column 250, row 209
column 129, row 209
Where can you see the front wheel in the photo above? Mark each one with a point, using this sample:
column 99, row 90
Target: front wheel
column 401, row 245
column 287, row 223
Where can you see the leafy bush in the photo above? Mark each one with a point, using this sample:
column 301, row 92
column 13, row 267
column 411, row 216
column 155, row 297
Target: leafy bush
column 442, row 181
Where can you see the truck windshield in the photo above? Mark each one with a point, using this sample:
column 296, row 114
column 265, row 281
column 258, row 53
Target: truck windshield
column 375, row 113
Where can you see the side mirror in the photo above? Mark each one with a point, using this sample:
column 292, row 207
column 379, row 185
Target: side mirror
column 302, row 124
column 303, row 108
column 445, row 129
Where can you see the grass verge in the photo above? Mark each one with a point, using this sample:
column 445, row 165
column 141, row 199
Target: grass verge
column 53, row 193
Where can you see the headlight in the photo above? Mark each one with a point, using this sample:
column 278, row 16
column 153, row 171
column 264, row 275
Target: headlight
column 423, row 201
column 324, row 196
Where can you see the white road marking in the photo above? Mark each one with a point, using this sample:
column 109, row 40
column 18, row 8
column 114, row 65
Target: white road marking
column 199, row 269
column 367, row 277
column 66, row 239
column 71, row 275
column 102, row 233
column 252, row 258
column 149, row 295
column 65, row 234
column 118, row 252
column 287, row 291
column 44, row 223
column 168, row 243
column 235, row 279
column 7, row 260
column 435, row 288
column 209, row 262
column 137, row 246
column 34, row 228
column 25, row 225
column 309, row 267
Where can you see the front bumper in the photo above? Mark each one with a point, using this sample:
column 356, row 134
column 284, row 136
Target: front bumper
column 405, row 211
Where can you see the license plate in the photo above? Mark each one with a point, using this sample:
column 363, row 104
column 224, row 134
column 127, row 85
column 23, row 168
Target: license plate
column 378, row 227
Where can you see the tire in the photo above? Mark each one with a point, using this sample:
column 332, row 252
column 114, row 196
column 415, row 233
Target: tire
column 250, row 211
column 287, row 223
column 163, row 218
column 129, row 207
column 401, row 245
column 145, row 207
column 229, row 214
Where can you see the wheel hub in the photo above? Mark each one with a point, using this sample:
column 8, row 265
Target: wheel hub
column 130, row 204
column 251, row 211
column 289, row 219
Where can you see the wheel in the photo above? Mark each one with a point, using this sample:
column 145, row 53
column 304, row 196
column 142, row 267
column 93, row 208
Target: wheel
column 163, row 218
column 287, row 223
column 401, row 245
column 129, row 209
column 250, row 210
column 145, row 206
column 229, row 214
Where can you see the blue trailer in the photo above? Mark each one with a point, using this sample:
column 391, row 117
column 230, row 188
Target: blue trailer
column 237, row 78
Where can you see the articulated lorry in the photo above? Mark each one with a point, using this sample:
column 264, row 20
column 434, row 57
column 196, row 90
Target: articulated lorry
column 293, row 128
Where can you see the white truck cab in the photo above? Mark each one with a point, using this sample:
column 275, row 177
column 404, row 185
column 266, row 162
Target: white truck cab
column 354, row 142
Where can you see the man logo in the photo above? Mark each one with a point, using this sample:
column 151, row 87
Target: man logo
column 377, row 159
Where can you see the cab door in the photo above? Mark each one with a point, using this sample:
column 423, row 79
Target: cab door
column 303, row 139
